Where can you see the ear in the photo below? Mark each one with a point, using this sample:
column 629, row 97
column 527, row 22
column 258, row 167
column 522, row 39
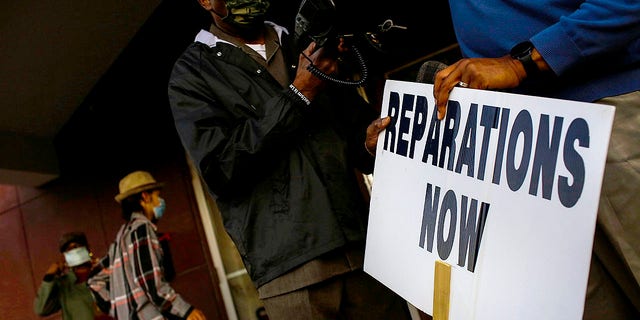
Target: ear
column 206, row 4
column 145, row 196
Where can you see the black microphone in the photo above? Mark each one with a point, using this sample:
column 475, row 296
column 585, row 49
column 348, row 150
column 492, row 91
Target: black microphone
column 428, row 70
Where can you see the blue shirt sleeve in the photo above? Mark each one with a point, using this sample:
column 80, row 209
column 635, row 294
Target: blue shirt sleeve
column 595, row 28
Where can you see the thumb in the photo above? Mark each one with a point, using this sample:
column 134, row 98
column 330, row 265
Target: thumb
column 383, row 123
column 310, row 48
column 378, row 125
column 373, row 131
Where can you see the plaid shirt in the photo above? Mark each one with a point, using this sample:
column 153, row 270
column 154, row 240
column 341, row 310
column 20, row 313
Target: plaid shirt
column 132, row 278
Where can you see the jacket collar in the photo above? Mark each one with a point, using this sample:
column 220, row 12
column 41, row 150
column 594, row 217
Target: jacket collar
column 143, row 218
column 209, row 39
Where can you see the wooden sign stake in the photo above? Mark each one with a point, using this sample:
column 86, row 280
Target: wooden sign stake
column 441, row 290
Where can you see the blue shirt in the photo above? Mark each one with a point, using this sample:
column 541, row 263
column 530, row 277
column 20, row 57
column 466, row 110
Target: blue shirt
column 593, row 46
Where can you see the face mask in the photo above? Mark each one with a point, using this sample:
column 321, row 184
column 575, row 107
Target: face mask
column 246, row 13
column 159, row 210
column 77, row 256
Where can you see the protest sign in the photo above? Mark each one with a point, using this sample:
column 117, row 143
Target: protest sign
column 505, row 190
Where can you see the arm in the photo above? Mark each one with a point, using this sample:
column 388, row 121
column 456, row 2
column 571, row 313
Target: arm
column 99, row 282
column 480, row 73
column 99, row 279
column 223, row 136
column 305, row 81
column 595, row 28
column 227, row 137
column 149, row 274
column 47, row 299
column 373, row 130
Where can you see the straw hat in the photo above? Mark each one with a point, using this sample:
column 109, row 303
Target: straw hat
column 136, row 182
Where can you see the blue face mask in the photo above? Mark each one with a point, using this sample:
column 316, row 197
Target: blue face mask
column 159, row 210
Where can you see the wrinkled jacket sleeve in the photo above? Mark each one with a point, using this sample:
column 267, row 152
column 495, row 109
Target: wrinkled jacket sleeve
column 99, row 282
column 224, row 134
column 47, row 300
column 595, row 28
column 148, row 273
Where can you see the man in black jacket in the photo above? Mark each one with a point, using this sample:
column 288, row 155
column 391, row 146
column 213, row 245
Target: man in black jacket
column 279, row 149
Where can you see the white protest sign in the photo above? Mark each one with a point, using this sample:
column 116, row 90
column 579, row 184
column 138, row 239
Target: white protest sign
column 505, row 189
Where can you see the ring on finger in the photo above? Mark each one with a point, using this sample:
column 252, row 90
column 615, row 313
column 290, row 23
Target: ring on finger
column 463, row 84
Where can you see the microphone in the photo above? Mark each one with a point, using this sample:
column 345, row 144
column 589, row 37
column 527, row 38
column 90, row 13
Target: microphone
column 428, row 70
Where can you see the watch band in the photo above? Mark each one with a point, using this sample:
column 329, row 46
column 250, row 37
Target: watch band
column 522, row 52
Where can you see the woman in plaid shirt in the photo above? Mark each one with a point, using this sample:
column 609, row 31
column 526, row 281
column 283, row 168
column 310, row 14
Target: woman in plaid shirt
column 132, row 278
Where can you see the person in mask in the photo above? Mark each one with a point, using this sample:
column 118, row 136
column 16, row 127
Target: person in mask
column 131, row 275
column 280, row 150
column 64, row 284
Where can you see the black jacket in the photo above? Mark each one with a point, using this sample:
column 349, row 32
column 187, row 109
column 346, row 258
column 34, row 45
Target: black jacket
column 283, row 173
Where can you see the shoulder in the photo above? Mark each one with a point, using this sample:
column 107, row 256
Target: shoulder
column 192, row 54
column 141, row 235
column 140, row 223
column 197, row 56
column 200, row 45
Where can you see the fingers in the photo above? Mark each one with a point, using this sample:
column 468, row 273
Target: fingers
column 201, row 315
column 310, row 48
column 54, row 268
column 196, row 314
column 342, row 45
column 377, row 125
column 445, row 81
column 320, row 59
column 478, row 73
column 304, row 80
column 382, row 123
column 373, row 130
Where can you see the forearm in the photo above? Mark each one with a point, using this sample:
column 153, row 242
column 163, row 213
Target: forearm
column 595, row 28
column 46, row 301
column 150, row 273
column 229, row 144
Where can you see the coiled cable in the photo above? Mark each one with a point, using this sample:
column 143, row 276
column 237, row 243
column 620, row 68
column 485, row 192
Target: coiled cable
column 364, row 72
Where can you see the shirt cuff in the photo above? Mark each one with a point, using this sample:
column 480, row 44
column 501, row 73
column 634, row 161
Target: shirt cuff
column 48, row 277
column 298, row 96
column 180, row 307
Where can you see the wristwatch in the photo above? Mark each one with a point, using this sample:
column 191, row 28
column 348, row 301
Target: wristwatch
column 522, row 52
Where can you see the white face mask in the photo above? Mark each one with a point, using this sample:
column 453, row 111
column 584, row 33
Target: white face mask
column 77, row 256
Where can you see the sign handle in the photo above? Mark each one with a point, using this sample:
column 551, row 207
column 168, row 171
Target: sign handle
column 441, row 290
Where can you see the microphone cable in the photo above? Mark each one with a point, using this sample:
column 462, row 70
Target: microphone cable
column 364, row 72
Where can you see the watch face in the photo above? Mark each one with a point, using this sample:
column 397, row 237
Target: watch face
column 522, row 52
column 522, row 49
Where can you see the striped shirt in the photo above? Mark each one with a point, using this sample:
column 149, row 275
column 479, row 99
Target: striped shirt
column 132, row 278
